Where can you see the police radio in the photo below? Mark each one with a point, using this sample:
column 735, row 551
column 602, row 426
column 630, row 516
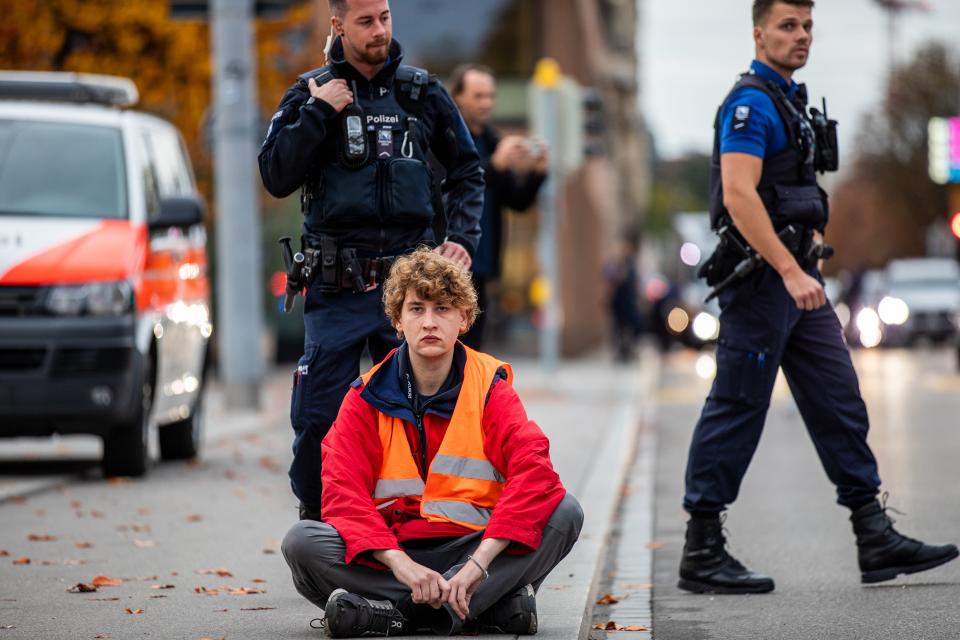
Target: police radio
column 827, row 154
column 355, row 150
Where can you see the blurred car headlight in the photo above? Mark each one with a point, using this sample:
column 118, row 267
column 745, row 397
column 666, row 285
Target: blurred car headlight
column 705, row 327
column 868, row 326
column 893, row 311
column 96, row 299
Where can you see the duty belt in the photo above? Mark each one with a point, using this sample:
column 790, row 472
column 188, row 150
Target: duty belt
column 339, row 268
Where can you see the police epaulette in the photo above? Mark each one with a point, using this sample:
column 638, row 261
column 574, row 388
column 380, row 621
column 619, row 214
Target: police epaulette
column 321, row 76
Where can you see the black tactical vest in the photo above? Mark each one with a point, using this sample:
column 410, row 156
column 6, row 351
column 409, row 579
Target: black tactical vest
column 394, row 187
column 788, row 184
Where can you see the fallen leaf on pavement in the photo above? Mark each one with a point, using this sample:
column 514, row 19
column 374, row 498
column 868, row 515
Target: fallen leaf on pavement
column 194, row 517
column 159, row 596
column 4, row 553
column 75, row 504
column 635, row 627
column 103, row 599
column 145, row 544
column 23, row 560
column 209, row 592
column 654, row 545
column 84, row 545
column 40, row 537
column 269, row 552
column 258, row 609
column 119, row 481
column 163, row 586
column 100, row 636
column 258, row 580
column 82, row 587
column 18, row 500
column 608, row 599
column 106, row 581
column 98, row 514
column 223, row 573
column 244, row 591
column 7, row 626
column 134, row 610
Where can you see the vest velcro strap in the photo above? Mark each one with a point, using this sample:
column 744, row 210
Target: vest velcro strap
column 461, row 512
column 398, row 488
column 465, row 468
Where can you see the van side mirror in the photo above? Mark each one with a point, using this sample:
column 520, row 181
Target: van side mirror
column 182, row 211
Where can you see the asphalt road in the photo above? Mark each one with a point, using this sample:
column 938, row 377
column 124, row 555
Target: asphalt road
column 786, row 522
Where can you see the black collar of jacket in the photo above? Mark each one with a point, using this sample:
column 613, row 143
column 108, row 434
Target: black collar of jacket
column 393, row 391
column 346, row 71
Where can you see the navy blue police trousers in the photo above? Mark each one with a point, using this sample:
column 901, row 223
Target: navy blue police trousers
column 761, row 330
column 337, row 328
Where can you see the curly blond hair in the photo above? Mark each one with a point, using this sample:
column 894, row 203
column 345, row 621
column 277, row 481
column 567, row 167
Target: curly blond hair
column 434, row 278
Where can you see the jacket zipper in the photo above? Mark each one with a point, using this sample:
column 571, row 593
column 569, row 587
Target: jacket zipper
column 423, row 442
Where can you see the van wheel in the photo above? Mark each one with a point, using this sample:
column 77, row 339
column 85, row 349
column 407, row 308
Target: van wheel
column 181, row 440
column 126, row 450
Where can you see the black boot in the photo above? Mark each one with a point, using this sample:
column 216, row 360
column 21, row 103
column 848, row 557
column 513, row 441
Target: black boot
column 706, row 567
column 351, row 616
column 515, row 613
column 884, row 553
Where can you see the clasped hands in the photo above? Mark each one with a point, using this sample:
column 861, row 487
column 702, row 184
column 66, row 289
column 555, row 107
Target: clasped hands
column 429, row 587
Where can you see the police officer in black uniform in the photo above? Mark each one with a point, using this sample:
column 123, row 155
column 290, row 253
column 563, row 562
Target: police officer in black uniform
column 770, row 214
column 354, row 136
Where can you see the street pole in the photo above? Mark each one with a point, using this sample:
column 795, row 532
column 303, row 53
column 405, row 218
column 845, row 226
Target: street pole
column 239, row 274
column 547, row 79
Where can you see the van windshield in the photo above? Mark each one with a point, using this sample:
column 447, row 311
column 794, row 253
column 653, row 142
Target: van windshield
column 57, row 169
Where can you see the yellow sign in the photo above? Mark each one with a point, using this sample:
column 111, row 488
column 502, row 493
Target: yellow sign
column 547, row 74
column 540, row 291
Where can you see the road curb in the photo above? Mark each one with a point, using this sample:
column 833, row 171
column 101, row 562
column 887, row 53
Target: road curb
column 570, row 592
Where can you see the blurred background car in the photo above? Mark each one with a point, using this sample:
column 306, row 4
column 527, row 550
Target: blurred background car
column 922, row 301
column 104, row 298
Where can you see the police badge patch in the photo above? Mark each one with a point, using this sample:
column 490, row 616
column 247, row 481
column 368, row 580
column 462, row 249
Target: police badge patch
column 741, row 116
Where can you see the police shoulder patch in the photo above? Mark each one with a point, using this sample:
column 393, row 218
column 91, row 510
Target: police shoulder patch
column 741, row 117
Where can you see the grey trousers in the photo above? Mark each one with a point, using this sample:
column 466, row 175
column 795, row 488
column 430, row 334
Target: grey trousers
column 315, row 551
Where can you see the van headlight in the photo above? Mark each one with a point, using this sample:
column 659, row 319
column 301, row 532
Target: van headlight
column 95, row 299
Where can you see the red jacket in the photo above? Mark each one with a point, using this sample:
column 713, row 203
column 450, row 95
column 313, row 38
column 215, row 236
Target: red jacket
column 352, row 456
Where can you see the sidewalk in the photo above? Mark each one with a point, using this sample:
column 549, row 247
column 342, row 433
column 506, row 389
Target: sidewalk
column 232, row 508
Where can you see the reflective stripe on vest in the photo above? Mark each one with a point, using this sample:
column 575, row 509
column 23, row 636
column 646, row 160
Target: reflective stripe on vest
column 461, row 512
column 465, row 468
column 462, row 486
column 398, row 488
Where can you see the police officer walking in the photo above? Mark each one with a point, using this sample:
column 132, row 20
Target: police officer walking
column 770, row 213
column 354, row 137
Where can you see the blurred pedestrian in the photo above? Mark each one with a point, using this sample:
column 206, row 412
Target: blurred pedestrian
column 514, row 169
column 622, row 281
column 764, row 183
column 431, row 472
column 354, row 136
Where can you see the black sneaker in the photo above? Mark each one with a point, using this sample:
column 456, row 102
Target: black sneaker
column 514, row 613
column 351, row 616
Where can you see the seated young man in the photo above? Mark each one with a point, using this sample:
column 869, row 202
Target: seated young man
column 441, row 508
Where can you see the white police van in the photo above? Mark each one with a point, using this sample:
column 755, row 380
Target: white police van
column 104, row 297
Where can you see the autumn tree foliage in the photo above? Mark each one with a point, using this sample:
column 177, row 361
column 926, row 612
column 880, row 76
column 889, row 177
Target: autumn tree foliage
column 883, row 208
column 169, row 59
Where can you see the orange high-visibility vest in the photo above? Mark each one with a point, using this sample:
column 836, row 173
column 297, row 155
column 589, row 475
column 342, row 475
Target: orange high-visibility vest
column 462, row 485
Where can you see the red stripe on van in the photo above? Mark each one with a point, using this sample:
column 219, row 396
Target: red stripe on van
column 114, row 250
